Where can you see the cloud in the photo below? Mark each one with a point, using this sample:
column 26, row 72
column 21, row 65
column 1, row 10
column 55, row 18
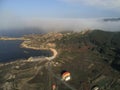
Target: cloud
column 10, row 21
column 49, row 25
column 73, row 24
column 98, row 3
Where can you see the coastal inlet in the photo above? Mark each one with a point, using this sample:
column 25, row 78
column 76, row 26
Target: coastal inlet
column 10, row 50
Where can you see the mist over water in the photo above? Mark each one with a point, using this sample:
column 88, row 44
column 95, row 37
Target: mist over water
column 73, row 24
column 20, row 32
column 36, row 26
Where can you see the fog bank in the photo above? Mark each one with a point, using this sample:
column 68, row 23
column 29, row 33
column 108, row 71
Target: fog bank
column 49, row 25
column 74, row 24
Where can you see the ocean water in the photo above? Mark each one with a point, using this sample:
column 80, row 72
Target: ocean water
column 11, row 50
column 20, row 32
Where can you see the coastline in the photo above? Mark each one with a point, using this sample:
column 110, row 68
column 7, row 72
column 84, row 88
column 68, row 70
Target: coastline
column 34, row 48
column 8, row 38
column 53, row 50
column 24, row 43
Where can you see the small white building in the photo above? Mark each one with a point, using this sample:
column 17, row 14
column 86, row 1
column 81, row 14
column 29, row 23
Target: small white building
column 66, row 76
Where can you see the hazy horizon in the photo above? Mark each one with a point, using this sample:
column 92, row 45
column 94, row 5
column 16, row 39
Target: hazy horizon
column 78, row 24
column 59, row 15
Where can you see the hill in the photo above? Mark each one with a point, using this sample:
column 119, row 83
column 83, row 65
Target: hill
column 91, row 57
column 111, row 19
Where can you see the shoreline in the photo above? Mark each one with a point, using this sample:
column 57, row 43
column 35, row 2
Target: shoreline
column 33, row 48
column 23, row 45
column 53, row 50
column 9, row 38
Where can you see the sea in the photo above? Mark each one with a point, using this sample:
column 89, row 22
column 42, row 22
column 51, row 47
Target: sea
column 11, row 50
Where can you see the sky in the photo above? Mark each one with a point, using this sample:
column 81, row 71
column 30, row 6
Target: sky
column 17, row 13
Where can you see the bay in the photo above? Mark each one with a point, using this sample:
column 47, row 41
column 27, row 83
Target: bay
column 11, row 50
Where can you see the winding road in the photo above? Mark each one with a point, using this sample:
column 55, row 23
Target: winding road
column 53, row 74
